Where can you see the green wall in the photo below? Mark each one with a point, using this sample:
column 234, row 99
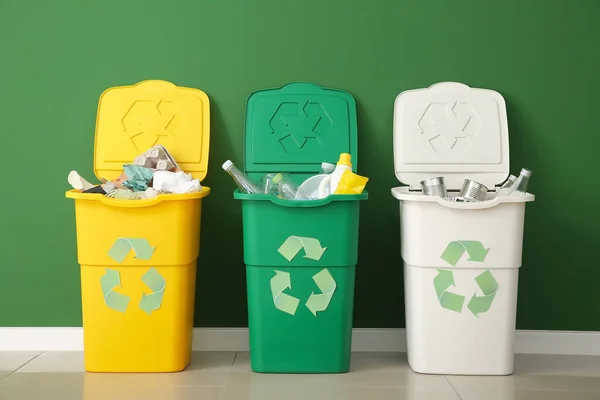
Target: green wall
column 57, row 57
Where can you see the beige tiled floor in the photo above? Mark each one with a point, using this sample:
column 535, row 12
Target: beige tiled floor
column 227, row 376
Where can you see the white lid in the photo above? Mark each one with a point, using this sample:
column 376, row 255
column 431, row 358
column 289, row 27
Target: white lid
column 451, row 130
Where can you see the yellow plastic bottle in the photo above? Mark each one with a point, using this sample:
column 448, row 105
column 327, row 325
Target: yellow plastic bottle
column 329, row 184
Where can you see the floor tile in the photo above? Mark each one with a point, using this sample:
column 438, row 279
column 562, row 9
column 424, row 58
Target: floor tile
column 11, row 360
column 38, row 393
column 333, row 392
column 562, row 365
column 405, row 379
column 211, row 361
column 366, row 370
column 242, row 362
column 526, row 382
column 108, row 393
column 363, row 361
column 205, row 369
column 44, row 380
column 505, row 394
column 379, row 362
column 185, row 378
column 98, row 381
column 56, row 361
column 72, row 361
column 157, row 393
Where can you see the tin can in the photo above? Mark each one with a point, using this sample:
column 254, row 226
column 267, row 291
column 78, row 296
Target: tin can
column 434, row 187
column 472, row 191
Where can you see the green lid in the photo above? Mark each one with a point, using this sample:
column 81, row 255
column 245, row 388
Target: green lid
column 297, row 127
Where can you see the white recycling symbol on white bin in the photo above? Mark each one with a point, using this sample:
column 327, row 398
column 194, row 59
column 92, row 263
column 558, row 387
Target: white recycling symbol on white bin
column 449, row 126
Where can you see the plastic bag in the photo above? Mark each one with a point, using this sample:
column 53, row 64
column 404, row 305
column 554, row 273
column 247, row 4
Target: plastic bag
column 138, row 177
column 351, row 183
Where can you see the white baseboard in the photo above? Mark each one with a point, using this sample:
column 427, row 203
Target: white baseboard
column 236, row 339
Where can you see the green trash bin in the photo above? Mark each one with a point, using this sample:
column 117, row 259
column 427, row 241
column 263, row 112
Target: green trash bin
column 300, row 255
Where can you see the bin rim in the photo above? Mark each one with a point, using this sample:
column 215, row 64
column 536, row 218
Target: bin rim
column 79, row 195
column 300, row 203
column 404, row 194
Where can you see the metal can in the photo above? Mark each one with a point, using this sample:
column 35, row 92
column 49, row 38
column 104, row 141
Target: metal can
column 472, row 191
column 434, row 187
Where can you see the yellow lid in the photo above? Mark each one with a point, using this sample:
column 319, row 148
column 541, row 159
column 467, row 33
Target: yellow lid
column 345, row 159
column 132, row 119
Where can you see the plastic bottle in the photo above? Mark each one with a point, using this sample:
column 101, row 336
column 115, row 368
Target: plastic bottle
column 309, row 189
column 330, row 183
column 509, row 182
column 243, row 182
column 504, row 190
column 511, row 190
column 520, row 185
column 343, row 164
column 287, row 189
column 326, row 168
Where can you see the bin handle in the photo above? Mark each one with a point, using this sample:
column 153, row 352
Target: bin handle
column 475, row 205
column 125, row 203
column 300, row 203
column 481, row 205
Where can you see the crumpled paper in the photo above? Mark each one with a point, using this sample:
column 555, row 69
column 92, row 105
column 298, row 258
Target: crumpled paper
column 175, row 182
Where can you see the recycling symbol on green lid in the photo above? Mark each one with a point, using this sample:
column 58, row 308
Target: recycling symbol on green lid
column 445, row 279
column 294, row 123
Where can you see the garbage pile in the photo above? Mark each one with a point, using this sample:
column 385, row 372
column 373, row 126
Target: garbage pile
column 472, row 191
column 332, row 179
column 152, row 173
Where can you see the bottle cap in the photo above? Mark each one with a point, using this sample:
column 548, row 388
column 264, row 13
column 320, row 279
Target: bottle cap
column 345, row 159
column 327, row 166
column 525, row 172
column 227, row 164
column 276, row 178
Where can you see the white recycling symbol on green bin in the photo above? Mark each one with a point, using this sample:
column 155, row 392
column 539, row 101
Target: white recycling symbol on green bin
column 445, row 279
column 317, row 302
column 293, row 244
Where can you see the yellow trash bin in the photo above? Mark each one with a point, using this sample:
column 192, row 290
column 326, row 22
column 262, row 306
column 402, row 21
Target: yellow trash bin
column 138, row 257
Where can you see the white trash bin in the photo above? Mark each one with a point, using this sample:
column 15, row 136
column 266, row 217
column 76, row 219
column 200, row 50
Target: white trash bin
column 461, row 259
